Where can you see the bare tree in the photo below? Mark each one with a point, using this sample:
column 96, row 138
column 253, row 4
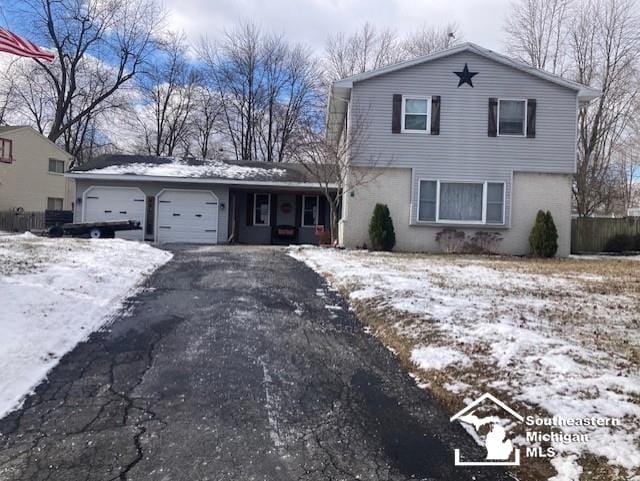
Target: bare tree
column 366, row 49
column 234, row 66
column 168, row 96
column 626, row 168
column 537, row 32
column 117, row 34
column 327, row 158
column 266, row 88
column 605, row 41
column 206, row 119
column 598, row 47
column 429, row 39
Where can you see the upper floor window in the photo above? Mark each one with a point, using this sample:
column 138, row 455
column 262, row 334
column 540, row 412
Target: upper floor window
column 261, row 209
column 461, row 202
column 512, row 117
column 6, row 150
column 416, row 114
column 56, row 166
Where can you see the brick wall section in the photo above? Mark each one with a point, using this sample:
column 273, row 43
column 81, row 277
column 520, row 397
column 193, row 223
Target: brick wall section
column 392, row 186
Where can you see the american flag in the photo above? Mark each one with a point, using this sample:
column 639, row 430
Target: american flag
column 11, row 43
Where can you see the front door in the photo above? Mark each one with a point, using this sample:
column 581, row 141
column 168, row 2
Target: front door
column 286, row 213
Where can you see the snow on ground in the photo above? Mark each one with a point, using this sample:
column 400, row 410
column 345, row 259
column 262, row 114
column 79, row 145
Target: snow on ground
column 54, row 293
column 558, row 336
column 175, row 167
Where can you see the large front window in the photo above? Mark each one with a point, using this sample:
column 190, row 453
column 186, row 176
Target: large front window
column 461, row 202
column 415, row 114
column 261, row 209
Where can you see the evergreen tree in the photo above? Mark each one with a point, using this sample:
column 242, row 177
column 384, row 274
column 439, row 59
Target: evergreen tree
column 381, row 232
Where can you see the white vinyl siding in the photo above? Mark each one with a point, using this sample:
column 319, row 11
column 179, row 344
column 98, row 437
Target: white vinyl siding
column 463, row 151
column 456, row 202
column 261, row 209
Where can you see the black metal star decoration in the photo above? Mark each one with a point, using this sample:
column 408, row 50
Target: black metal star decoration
column 465, row 76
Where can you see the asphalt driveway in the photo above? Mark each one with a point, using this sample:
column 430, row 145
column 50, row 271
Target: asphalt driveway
column 236, row 363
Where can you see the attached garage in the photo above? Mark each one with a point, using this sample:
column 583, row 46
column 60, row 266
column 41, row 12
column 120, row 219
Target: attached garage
column 106, row 203
column 187, row 216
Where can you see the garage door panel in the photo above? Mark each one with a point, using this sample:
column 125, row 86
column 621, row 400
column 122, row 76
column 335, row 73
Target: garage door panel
column 104, row 204
column 187, row 216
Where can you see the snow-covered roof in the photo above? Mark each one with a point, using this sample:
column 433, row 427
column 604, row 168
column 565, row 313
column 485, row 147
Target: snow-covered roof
column 152, row 167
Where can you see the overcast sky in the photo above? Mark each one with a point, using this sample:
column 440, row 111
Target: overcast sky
column 310, row 21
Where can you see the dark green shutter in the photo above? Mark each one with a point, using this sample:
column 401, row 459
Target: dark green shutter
column 493, row 117
column 435, row 115
column 396, row 124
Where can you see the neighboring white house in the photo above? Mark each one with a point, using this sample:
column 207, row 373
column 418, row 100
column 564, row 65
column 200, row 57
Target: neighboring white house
column 32, row 172
column 463, row 138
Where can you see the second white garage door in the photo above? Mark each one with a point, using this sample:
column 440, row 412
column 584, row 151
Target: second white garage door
column 187, row 216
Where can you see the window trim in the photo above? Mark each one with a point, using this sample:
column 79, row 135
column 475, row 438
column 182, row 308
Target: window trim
column 485, row 186
column 524, row 124
column 255, row 210
column 317, row 197
column 55, row 171
column 428, row 114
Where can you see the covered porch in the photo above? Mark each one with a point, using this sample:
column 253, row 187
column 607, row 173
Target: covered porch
column 278, row 216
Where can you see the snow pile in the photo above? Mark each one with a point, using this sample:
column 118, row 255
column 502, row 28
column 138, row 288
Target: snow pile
column 551, row 340
column 54, row 293
column 434, row 357
column 181, row 168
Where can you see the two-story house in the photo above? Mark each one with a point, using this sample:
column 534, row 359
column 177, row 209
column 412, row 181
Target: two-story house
column 463, row 138
column 32, row 172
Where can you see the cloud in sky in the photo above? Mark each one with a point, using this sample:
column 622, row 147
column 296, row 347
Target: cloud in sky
column 311, row 21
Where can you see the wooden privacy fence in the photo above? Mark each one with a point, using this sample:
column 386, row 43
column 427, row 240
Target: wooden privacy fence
column 14, row 222
column 590, row 234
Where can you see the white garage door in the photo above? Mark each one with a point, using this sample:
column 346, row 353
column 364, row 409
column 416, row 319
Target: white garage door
column 187, row 216
column 115, row 203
